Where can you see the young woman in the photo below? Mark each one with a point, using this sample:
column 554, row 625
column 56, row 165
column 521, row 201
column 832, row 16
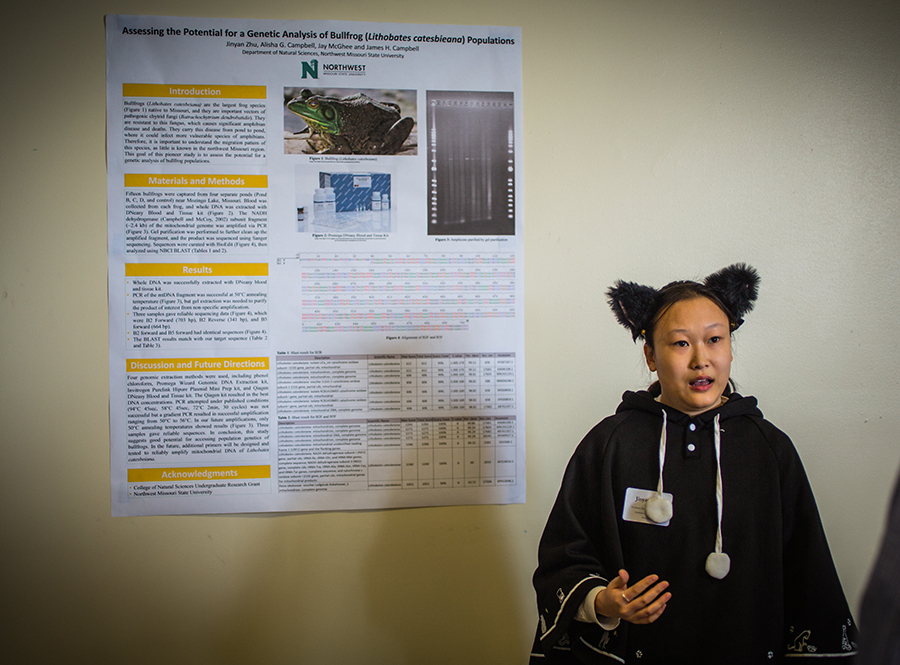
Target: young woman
column 685, row 530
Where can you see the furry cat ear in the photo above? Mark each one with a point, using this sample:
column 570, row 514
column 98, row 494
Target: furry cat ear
column 738, row 287
column 633, row 304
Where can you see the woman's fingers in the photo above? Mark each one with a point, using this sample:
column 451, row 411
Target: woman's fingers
column 641, row 587
column 620, row 582
column 642, row 603
column 646, row 600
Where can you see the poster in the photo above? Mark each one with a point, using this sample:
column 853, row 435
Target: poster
column 315, row 265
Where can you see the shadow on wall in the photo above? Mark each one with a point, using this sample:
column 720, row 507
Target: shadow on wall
column 389, row 587
column 442, row 591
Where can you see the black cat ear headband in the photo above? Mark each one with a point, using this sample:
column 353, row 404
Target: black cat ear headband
column 634, row 305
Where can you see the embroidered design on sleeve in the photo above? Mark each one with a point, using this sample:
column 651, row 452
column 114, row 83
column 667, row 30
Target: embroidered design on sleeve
column 601, row 650
column 801, row 645
column 845, row 641
column 563, row 598
column 801, row 642
column 604, row 640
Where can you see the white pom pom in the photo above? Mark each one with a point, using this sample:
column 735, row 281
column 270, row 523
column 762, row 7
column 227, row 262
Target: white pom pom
column 658, row 509
column 718, row 564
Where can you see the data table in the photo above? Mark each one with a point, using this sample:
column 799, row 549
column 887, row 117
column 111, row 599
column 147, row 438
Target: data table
column 328, row 438
column 347, row 384
column 396, row 453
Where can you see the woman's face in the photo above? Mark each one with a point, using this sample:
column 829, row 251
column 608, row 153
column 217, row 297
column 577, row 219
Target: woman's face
column 691, row 355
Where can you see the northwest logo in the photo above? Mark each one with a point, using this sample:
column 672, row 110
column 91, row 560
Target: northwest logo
column 311, row 68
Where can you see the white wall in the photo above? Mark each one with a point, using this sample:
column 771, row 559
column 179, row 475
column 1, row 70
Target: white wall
column 664, row 139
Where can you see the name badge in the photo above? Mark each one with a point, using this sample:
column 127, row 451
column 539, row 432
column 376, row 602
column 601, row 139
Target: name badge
column 634, row 509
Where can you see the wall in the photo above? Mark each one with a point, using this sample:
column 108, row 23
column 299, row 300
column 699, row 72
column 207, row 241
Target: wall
column 663, row 140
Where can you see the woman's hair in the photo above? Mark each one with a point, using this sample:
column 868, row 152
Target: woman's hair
column 639, row 308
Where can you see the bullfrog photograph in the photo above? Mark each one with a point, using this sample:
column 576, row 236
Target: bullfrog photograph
column 341, row 121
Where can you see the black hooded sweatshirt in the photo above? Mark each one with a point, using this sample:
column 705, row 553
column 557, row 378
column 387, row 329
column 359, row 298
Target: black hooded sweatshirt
column 782, row 597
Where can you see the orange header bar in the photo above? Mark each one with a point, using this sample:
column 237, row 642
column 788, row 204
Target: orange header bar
column 196, row 269
column 195, row 364
column 195, row 180
column 198, row 473
column 191, row 91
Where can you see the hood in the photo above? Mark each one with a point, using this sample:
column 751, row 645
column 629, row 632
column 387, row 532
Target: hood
column 645, row 400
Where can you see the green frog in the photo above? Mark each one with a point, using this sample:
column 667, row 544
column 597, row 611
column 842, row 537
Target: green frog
column 357, row 124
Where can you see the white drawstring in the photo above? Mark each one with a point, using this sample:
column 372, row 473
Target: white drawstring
column 718, row 563
column 659, row 508
column 662, row 455
column 717, row 442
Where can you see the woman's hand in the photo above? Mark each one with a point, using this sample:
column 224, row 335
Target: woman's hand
column 643, row 602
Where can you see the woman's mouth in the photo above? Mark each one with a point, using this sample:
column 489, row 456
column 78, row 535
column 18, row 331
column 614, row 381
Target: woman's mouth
column 701, row 384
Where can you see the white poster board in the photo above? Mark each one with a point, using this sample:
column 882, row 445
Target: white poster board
column 315, row 265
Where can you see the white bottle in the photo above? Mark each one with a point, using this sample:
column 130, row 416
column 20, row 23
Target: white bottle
column 330, row 206
column 319, row 205
column 376, row 201
column 385, row 212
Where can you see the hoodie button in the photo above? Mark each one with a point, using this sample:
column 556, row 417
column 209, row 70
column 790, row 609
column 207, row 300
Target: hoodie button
column 691, row 447
column 692, row 427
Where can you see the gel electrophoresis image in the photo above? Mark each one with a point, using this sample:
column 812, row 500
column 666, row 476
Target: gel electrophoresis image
column 471, row 170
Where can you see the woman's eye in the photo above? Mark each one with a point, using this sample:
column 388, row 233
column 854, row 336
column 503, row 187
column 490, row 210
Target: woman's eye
column 713, row 340
column 681, row 343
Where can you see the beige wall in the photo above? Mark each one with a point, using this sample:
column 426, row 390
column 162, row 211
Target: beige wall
column 664, row 139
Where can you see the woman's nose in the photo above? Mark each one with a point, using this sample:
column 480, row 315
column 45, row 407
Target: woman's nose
column 699, row 359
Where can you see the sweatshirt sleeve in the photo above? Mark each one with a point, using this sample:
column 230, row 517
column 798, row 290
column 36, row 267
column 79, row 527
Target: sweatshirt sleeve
column 579, row 549
column 817, row 617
